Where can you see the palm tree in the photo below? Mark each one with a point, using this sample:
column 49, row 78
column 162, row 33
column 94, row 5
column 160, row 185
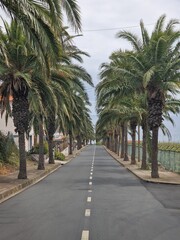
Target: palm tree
column 16, row 74
column 69, row 90
column 41, row 100
column 39, row 21
column 159, row 66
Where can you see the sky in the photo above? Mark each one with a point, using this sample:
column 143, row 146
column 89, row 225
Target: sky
column 103, row 19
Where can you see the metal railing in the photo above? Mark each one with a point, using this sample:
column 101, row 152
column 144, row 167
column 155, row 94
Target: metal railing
column 169, row 159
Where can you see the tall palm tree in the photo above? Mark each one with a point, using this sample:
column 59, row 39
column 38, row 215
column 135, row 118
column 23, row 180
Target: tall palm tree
column 16, row 73
column 41, row 98
column 159, row 65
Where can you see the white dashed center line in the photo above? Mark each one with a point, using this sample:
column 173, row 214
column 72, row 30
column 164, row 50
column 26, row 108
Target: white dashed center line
column 87, row 212
column 89, row 199
column 90, row 183
column 85, row 235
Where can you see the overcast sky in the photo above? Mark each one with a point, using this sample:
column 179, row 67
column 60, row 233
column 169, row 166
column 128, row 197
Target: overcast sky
column 102, row 19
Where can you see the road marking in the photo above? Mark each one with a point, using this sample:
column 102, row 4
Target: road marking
column 85, row 235
column 90, row 177
column 91, row 173
column 89, row 199
column 88, row 213
column 89, row 190
column 90, row 183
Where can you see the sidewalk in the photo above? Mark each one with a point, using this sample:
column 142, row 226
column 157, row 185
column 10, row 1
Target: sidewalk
column 165, row 176
column 10, row 185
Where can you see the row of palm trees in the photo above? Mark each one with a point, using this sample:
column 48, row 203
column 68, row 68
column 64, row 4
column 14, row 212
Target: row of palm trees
column 139, row 87
column 40, row 67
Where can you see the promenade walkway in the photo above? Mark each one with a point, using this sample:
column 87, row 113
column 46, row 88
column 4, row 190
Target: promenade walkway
column 165, row 176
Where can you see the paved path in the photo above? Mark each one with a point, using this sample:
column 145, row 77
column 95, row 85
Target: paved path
column 92, row 198
column 165, row 176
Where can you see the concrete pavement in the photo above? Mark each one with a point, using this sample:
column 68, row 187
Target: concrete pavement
column 165, row 176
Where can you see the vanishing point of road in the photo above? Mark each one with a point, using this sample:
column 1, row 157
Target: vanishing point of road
column 92, row 198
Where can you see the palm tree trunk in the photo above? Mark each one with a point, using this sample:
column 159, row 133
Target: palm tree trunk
column 133, row 135
column 144, row 146
column 50, row 146
column 20, row 113
column 108, row 143
column 122, row 140
column 111, row 141
column 41, row 147
column 155, row 109
column 70, row 143
column 119, row 141
column 79, row 144
column 116, row 143
column 22, row 156
column 138, row 143
column 51, row 129
column 154, row 168
column 126, row 158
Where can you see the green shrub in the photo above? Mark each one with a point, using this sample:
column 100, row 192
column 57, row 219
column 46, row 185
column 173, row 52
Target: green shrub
column 35, row 149
column 7, row 147
column 169, row 146
column 59, row 156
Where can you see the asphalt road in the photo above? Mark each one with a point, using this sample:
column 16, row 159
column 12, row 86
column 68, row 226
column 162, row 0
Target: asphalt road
column 92, row 198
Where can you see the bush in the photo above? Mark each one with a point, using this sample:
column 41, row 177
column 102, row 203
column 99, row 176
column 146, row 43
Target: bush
column 169, row 146
column 7, row 148
column 59, row 156
column 35, row 149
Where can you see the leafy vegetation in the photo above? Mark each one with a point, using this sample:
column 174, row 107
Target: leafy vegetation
column 8, row 150
column 35, row 148
column 169, row 146
column 59, row 156
column 8, row 153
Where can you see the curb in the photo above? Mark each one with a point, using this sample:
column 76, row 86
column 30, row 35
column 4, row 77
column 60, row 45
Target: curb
column 7, row 194
column 141, row 178
column 27, row 183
